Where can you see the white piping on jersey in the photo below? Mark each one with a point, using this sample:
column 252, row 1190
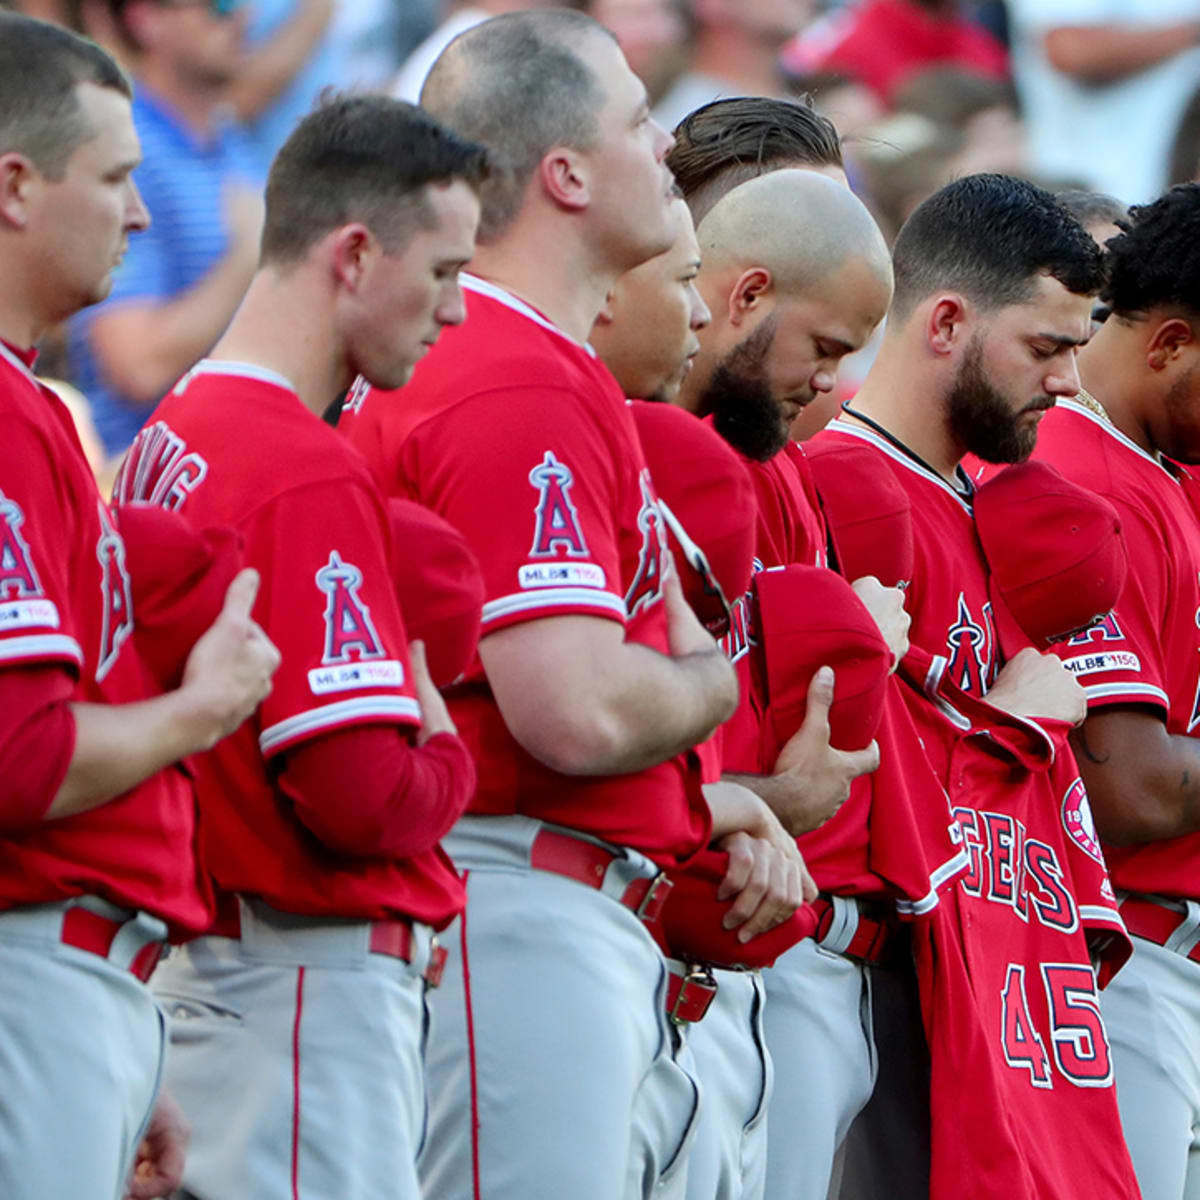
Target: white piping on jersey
column 1101, row 912
column 933, row 678
column 245, row 370
column 536, row 598
column 335, row 714
column 41, row 645
column 1097, row 691
column 472, row 283
column 947, row 871
column 880, row 443
column 9, row 356
column 1109, row 428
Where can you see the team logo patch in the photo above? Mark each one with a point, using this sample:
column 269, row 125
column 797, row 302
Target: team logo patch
column 349, row 632
column 1111, row 660
column 557, row 528
column 347, row 677
column 1105, row 629
column 561, row 574
column 18, row 579
column 1077, row 821
column 970, row 644
column 647, row 580
column 117, row 593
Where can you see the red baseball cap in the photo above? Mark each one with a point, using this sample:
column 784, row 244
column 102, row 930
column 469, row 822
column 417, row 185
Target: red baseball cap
column 867, row 511
column 439, row 586
column 809, row 617
column 709, row 507
column 1055, row 550
column 178, row 579
column 691, row 919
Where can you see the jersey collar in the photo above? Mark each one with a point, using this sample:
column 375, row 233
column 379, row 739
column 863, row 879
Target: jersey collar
column 23, row 360
column 472, row 283
column 1106, row 424
column 212, row 366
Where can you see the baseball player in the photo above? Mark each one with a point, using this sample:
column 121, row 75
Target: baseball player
column 1141, row 671
column 593, row 674
column 978, row 327
column 98, row 826
column 297, row 1023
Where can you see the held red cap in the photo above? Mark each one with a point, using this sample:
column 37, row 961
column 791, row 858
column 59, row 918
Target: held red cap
column 868, row 513
column 439, row 586
column 710, row 502
column 809, row 618
column 1055, row 550
column 691, row 919
column 178, row 579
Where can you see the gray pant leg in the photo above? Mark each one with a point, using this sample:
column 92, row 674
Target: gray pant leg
column 818, row 1024
column 81, row 1047
column 1152, row 1013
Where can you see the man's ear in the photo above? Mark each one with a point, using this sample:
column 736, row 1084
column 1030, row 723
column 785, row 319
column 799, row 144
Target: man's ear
column 944, row 328
column 565, row 179
column 18, row 178
column 1168, row 342
column 750, row 291
column 351, row 250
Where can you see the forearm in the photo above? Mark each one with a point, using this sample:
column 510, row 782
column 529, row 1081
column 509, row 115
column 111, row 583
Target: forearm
column 145, row 348
column 117, row 746
column 785, row 799
column 1143, row 793
column 1105, row 53
column 370, row 792
column 270, row 68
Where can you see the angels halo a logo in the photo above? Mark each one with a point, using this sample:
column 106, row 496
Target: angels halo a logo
column 1077, row 821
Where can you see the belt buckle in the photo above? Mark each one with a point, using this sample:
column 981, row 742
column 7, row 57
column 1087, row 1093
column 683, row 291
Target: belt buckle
column 698, row 974
column 436, row 967
column 654, row 899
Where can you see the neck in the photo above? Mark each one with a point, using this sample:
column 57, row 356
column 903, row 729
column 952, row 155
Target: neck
column 19, row 326
column 896, row 396
column 554, row 275
column 284, row 324
column 735, row 56
column 196, row 105
column 1101, row 371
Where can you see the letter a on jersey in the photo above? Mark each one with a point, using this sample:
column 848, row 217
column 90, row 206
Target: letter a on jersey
column 967, row 641
column 348, row 626
column 117, row 594
column 557, row 521
column 18, row 579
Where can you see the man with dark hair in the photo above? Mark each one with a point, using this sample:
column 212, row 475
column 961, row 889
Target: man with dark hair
column 97, row 826
column 1137, row 750
column 594, row 677
column 994, row 281
column 728, row 142
column 202, row 182
column 297, row 1023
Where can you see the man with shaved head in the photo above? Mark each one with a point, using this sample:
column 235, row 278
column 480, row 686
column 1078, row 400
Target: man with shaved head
column 551, row 1062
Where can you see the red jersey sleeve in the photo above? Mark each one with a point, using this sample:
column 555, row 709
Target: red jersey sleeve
column 328, row 605
column 1120, row 660
column 35, row 588
column 541, row 513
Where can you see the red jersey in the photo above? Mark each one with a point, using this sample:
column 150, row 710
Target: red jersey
column 1148, row 650
column 66, row 601
column 232, row 444
column 522, row 440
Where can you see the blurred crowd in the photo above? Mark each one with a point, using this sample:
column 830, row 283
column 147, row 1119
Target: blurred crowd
column 1092, row 97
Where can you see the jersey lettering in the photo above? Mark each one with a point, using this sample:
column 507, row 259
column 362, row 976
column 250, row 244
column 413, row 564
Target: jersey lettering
column 116, row 594
column 1019, row 1038
column 159, row 469
column 356, row 395
column 1105, row 630
column 1194, row 720
column 18, row 579
column 349, row 632
column 741, row 635
column 557, row 525
column 970, row 644
column 647, row 580
column 1077, row 1034
column 1007, row 866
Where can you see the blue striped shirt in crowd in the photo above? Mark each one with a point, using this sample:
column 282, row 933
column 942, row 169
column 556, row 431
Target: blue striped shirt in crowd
column 182, row 179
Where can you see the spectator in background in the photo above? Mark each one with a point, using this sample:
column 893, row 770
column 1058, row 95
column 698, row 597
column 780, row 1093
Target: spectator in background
column 182, row 279
column 1104, row 87
column 652, row 34
column 735, row 53
column 1098, row 214
column 881, row 44
column 1185, row 150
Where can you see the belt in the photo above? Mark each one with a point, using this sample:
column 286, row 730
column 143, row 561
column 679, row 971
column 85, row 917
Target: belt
column 87, row 930
column 871, row 940
column 589, row 863
column 691, row 990
column 1159, row 924
column 390, row 937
